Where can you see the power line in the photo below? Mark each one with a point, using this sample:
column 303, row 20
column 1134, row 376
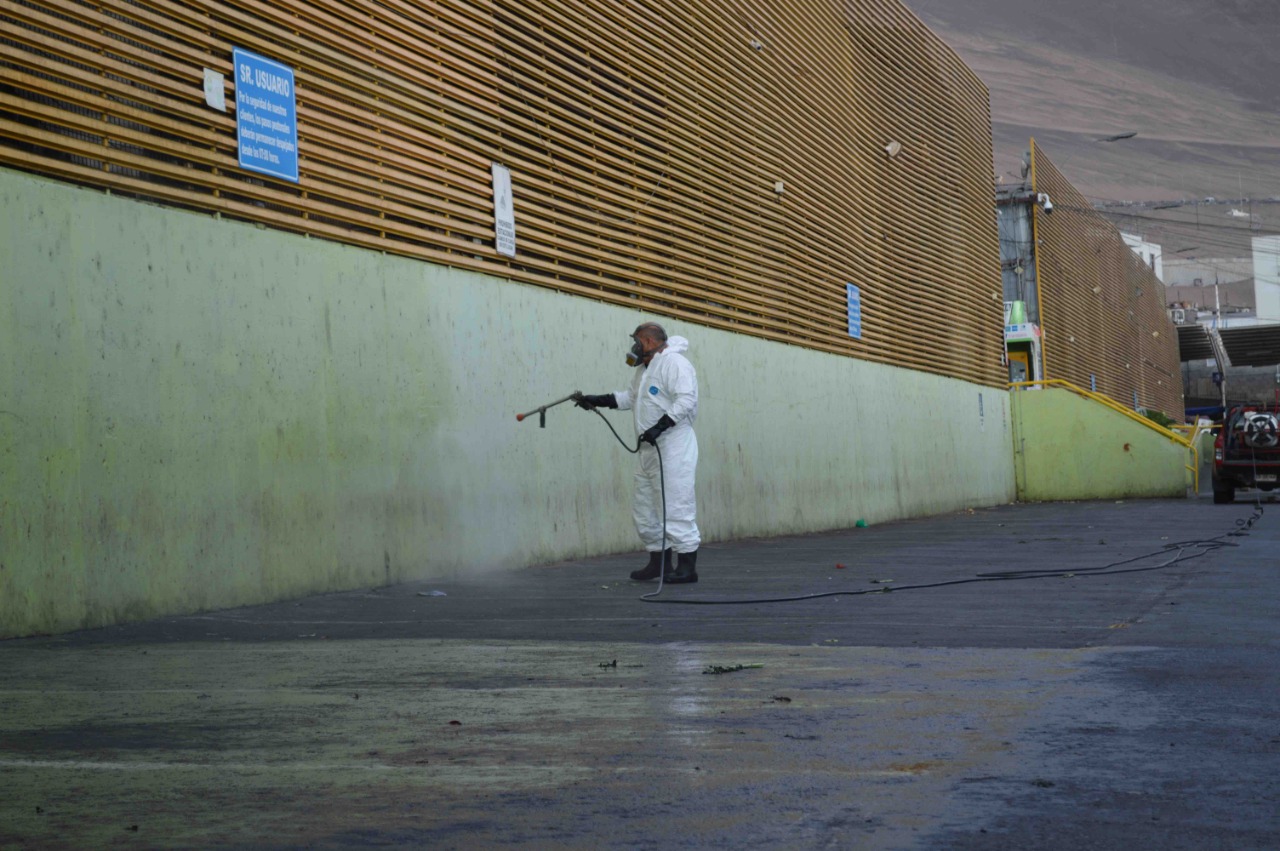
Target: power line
column 1248, row 229
column 1198, row 227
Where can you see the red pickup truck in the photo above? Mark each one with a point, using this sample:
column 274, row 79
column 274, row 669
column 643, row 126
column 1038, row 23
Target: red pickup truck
column 1246, row 453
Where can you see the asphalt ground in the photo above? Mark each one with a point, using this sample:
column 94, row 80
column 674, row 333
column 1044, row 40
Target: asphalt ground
column 1088, row 706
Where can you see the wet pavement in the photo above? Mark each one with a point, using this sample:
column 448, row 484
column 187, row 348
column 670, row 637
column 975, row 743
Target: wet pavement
column 1084, row 706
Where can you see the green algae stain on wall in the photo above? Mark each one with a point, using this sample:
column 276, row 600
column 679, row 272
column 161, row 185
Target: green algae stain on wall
column 1068, row 447
column 196, row 411
column 208, row 414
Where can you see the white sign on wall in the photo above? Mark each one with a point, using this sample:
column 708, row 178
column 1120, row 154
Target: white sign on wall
column 504, row 212
column 214, row 93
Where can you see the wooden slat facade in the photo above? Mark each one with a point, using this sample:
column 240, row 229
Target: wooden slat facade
column 1102, row 308
column 645, row 140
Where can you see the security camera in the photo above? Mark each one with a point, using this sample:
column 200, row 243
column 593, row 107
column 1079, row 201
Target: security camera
column 1045, row 204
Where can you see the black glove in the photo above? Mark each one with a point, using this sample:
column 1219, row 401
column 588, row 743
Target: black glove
column 651, row 435
column 589, row 403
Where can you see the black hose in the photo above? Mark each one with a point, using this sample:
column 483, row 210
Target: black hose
column 662, row 554
column 615, row 433
column 662, row 490
column 1204, row 546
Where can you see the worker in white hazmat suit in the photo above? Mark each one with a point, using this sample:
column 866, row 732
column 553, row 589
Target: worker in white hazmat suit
column 664, row 400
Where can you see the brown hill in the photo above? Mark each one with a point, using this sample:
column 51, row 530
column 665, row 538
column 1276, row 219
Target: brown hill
column 1195, row 79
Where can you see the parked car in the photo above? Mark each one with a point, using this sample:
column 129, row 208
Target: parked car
column 1246, row 453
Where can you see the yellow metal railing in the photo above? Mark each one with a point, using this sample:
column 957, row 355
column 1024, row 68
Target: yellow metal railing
column 1107, row 401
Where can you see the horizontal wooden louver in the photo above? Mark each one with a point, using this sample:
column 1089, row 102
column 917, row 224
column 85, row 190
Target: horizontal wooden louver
column 1103, row 309
column 646, row 140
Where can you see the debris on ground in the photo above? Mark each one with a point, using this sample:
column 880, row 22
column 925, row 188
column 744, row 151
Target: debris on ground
column 612, row 664
column 727, row 669
column 432, row 594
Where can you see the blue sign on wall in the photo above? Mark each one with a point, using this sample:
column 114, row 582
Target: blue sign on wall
column 266, row 116
column 855, row 311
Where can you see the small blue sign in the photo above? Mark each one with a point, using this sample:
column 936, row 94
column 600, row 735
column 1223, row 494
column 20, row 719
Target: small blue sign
column 266, row 116
column 855, row 311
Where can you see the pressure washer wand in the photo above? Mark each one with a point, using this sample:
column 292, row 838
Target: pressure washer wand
column 541, row 411
column 662, row 476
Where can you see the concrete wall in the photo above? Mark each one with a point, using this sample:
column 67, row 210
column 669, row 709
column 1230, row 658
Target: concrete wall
column 1229, row 298
column 1266, row 273
column 1068, row 447
column 1150, row 252
column 1183, row 272
column 197, row 413
column 1257, row 384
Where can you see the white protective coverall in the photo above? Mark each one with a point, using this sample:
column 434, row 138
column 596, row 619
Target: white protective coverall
column 668, row 385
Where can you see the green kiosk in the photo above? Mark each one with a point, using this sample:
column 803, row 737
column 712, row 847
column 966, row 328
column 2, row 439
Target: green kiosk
column 1022, row 344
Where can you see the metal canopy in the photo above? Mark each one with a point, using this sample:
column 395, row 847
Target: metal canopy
column 1256, row 345
column 1194, row 343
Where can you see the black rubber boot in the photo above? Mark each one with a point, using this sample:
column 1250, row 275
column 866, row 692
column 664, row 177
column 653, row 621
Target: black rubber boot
column 686, row 569
column 656, row 563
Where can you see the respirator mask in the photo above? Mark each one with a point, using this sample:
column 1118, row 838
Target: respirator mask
column 636, row 354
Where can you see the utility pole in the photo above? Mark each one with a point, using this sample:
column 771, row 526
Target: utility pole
column 1217, row 303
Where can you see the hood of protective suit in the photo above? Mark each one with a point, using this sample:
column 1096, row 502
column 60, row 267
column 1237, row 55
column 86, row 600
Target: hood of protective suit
column 679, row 345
